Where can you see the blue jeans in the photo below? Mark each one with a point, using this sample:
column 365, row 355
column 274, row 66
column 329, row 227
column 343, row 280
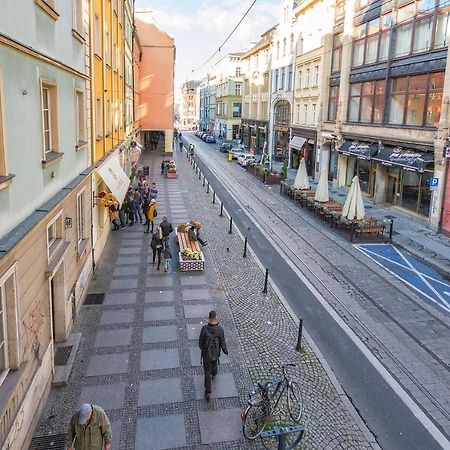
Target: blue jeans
column 138, row 213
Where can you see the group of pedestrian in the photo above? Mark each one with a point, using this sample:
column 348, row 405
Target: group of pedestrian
column 160, row 244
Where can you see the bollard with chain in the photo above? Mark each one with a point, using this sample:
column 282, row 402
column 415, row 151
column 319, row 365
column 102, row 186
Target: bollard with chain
column 266, row 279
column 245, row 248
column 214, row 197
column 221, row 209
column 231, row 225
column 207, row 187
column 204, row 179
column 199, row 175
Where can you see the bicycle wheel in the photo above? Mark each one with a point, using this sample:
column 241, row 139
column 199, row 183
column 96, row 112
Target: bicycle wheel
column 254, row 420
column 294, row 401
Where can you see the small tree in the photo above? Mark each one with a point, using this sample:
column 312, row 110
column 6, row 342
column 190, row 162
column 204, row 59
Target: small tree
column 284, row 169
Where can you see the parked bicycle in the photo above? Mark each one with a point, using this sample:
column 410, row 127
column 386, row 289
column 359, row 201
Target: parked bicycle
column 268, row 400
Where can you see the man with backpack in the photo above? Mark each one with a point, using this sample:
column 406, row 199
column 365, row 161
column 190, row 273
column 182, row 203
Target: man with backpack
column 211, row 342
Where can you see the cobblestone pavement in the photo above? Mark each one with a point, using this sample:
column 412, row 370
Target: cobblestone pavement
column 138, row 354
column 409, row 337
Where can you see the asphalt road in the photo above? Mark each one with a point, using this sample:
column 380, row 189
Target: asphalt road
column 386, row 415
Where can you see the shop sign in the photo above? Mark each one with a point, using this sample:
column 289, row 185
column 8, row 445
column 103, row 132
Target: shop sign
column 282, row 129
column 434, row 183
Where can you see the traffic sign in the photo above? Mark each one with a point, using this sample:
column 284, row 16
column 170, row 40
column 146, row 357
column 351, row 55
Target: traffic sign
column 434, row 183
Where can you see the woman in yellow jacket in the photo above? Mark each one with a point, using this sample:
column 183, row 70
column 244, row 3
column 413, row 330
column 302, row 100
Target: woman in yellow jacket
column 152, row 213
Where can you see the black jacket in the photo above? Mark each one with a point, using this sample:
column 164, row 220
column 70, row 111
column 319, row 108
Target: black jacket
column 166, row 228
column 213, row 330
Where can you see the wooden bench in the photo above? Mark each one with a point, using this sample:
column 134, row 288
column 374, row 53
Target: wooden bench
column 183, row 244
column 371, row 227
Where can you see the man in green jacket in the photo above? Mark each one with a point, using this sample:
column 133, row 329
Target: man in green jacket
column 89, row 429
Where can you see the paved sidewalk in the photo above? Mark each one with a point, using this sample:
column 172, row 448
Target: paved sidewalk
column 138, row 356
column 410, row 232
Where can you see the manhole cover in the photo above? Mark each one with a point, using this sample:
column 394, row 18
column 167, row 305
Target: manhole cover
column 94, row 299
column 62, row 355
column 52, row 442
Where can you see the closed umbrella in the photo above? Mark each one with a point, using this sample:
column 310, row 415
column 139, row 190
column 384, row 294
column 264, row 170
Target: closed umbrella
column 322, row 187
column 354, row 205
column 301, row 179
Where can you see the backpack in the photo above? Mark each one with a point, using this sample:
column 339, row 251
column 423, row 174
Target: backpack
column 212, row 346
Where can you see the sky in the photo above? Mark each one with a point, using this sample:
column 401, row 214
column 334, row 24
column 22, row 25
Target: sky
column 200, row 26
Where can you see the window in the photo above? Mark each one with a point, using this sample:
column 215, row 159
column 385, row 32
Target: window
column 97, row 36
column 421, row 26
column 114, row 57
column 107, row 48
column 98, row 118
column 313, row 114
column 80, row 123
column 81, row 217
column 371, row 42
column 337, row 52
column 54, row 235
column 292, row 43
column 237, row 109
column 3, row 161
column 49, row 118
column 333, row 103
column 238, row 71
column 238, row 89
column 299, row 78
column 278, row 49
column 108, row 117
column 366, row 102
column 316, row 75
column 308, row 75
column 9, row 336
column 305, row 113
column 298, row 113
column 284, row 47
column 416, row 100
column 282, row 85
column 78, row 17
column 290, row 79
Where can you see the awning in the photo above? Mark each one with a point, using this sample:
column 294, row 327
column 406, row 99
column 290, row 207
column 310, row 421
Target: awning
column 361, row 150
column 297, row 142
column 405, row 158
column 115, row 177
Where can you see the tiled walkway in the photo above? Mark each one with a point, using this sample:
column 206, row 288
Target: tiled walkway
column 138, row 356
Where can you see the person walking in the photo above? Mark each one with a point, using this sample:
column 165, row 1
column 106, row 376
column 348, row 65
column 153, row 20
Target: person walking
column 153, row 191
column 89, row 429
column 211, row 342
column 156, row 246
column 113, row 216
column 138, row 202
column 181, row 146
column 167, row 258
column 145, row 207
column 163, row 166
column 152, row 213
column 166, row 228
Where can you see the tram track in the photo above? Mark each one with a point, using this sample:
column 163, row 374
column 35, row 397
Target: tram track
column 375, row 345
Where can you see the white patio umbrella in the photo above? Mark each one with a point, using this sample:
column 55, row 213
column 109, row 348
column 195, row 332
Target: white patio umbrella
column 354, row 205
column 322, row 187
column 301, row 179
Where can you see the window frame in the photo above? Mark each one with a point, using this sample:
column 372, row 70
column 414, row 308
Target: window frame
column 333, row 100
column 80, row 119
column 98, row 119
column 337, row 48
column 51, row 88
column 57, row 240
column 3, row 154
column 81, row 224
column 361, row 96
column 77, row 18
column 97, row 36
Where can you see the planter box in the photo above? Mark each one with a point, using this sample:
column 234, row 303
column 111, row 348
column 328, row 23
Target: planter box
column 273, row 179
column 172, row 175
column 191, row 264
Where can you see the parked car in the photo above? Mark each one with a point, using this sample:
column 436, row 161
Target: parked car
column 245, row 158
column 235, row 152
column 210, row 139
column 226, row 147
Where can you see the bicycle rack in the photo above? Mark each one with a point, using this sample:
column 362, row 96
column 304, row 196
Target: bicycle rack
column 281, row 432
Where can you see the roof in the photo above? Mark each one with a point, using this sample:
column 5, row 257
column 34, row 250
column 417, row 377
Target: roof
column 266, row 39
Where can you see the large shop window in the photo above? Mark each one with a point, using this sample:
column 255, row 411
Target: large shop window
column 421, row 26
column 333, row 103
column 416, row 100
column 366, row 102
column 371, row 42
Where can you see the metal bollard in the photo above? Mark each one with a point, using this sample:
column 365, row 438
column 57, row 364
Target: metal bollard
column 300, row 333
column 214, row 197
column 204, row 179
column 266, row 279
column 199, row 175
column 245, row 249
column 207, row 187
column 231, row 225
column 221, row 209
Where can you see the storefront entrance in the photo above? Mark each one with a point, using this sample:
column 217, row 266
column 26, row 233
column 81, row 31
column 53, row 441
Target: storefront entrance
column 365, row 170
column 281, row 128
column 391, row 189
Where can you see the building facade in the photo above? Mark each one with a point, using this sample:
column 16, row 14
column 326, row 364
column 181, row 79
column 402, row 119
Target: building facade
column 188, row 113
column 309, row 62
column 228, row 99
column 207, row 104
column 385, row 117
column 156, row 85
column 45, row 198
column 256, row 94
